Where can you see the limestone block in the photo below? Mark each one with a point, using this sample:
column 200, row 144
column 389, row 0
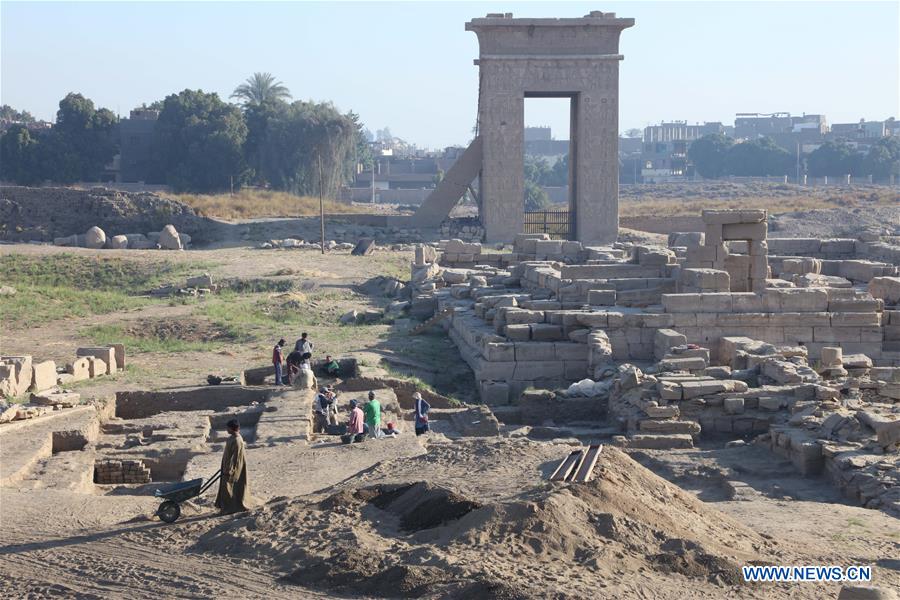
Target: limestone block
column 546, row 331
column 658, row 441
column 520, row 316
column 95, row 238
column 681, row 303
column 696, row 389
column 71, row 240
column 96, row 366
column 535, row 351
column 169, row 239
column 200, row 281
column 579, row 336
column 687, row 239
column 570, row 351
column 498, row 352
column 706, row 279
column 664, row 339
column 733, row 406
column 532, row 370
column 18, row 373
column 670, row 426
column 601, row 297
column 715, row 302
column 44, row 376
column 107, row 354
column 886, row 288
column 79, row 368
column 56, row 398
column 518, row 332
column 866, row 319
column 723, row 216
column 744, row 231
column 682, row 364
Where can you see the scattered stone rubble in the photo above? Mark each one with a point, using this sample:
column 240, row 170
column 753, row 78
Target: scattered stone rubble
column 199, row 285
column 46, row 382
column 167, row 239
column 792, row 341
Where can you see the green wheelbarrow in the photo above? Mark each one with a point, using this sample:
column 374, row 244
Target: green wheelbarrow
column 172, row 497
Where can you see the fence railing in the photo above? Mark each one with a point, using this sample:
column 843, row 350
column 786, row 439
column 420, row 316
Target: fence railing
column 558, row 224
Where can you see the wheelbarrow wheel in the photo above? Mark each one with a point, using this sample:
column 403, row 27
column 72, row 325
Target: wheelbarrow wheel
column 169, row 511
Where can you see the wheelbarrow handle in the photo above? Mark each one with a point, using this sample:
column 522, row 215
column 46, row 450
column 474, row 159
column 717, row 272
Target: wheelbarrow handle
column 210, row 481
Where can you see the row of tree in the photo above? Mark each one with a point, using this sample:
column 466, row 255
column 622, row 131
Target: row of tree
column 201, row 143
column 716, row 155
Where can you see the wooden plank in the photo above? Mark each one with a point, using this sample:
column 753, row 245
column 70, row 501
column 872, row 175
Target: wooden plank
column 567, row 466
column 585, row 471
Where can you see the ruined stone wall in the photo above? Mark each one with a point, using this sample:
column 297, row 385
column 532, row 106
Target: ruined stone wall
column 41, row 214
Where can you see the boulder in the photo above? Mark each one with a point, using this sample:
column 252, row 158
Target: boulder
column 118, row 242
column 349, row 318
column 200, row 281
column 95, row 238
column 169, row 239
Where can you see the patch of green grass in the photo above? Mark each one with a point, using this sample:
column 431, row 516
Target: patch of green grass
column 34, row 305
column 91, row 272
column 105, row 335
column 853, row 521
column 66, row 285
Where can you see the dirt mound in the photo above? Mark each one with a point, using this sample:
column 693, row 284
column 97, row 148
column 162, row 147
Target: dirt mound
column 400, row 539
column 186, row 330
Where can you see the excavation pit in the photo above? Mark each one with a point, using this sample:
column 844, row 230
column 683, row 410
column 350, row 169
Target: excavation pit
column 219, row 425
column 143, row 404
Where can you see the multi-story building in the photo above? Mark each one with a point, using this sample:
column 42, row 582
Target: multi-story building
column 136, row 135
column 664, row 153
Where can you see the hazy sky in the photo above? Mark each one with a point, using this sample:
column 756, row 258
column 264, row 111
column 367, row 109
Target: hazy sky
column 408, row 65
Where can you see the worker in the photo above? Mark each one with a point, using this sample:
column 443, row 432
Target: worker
column 277, row 360
column 422, row 407
column 234, row 493
column 303, row 345
column 322, row 410
column 372, row 411
column 331, row 367
column 355, row 428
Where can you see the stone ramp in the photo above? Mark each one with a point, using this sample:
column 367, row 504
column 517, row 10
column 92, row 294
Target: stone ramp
column 440, row 202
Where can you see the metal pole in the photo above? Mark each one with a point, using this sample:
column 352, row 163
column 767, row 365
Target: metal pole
column 373, row 180
column 321, row 204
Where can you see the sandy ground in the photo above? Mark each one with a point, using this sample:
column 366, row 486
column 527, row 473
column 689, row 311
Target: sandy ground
column 324, row 528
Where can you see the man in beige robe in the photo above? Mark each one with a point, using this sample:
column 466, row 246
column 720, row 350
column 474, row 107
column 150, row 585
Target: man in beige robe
column 234, row 493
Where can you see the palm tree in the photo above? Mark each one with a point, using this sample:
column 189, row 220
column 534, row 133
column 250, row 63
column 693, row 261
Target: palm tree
column 260, row 88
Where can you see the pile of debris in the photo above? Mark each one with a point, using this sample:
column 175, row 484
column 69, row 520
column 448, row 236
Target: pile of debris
column 193, row 286
column 167, row 239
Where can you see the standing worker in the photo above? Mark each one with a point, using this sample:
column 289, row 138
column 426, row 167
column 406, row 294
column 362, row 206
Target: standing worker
column 422, row 408
column 277, row 360
column 234, row 494
column 303, row 345
column 372, row 411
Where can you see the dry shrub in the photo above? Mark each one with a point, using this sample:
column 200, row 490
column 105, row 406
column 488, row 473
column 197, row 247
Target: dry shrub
column 250, row 204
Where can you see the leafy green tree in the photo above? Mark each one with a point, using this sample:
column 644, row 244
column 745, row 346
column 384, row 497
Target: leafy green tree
column 260, row 88
column 199, row 142
column 535, row 196
column 757, row 158
column 834, row 159
column 8, row 113
column 364, row 155
column 83, row 141
column 883, row 159
column 19, row 156
column 257, row 118
column 298, row 136
column 708, row 154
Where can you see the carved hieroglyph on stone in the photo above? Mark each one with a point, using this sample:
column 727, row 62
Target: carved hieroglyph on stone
column 571, row 58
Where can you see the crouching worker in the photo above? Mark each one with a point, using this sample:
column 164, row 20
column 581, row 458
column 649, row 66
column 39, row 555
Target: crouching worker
column 323, row 410
column 234, row 493
column 355, row 430
column 331, row 367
